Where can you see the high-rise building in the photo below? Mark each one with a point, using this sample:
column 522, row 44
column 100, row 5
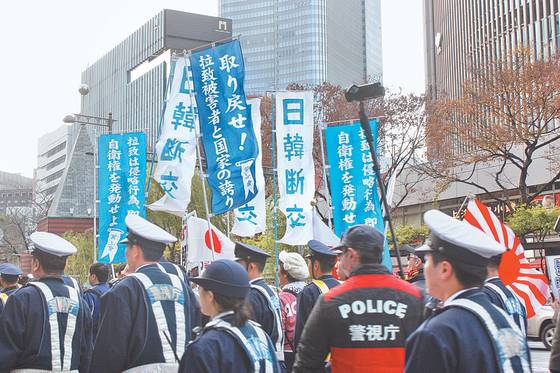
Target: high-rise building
column 52, row 155
column 307, row 41
column 470, row 33
column 129, row 81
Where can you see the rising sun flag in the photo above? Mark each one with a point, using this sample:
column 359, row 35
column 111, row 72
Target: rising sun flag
column 529, row 284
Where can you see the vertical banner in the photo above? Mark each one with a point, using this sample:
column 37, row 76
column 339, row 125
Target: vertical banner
column 122, row 175
column 176, row 146
column 227, row 132
column 250, row 218
column 553, row 268
column 352, row 179
column 296, row 171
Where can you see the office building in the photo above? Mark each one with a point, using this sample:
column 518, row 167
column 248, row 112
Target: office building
column 52, row 155
column 464, row 34
column 129, row 81
column 307, row 41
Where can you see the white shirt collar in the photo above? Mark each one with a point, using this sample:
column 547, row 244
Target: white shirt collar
column 455, row 295
column 144, row 265
column 220, row 315
column 255, row 280
column 491, row 278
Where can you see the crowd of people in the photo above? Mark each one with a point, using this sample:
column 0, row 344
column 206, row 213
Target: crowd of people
column 452, row 315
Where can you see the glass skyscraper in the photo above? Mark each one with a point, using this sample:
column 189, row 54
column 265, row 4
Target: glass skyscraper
column 307, row 41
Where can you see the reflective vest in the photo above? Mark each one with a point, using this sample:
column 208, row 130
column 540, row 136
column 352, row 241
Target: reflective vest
column 254, row 342
column 171, row 354
column 70, row 306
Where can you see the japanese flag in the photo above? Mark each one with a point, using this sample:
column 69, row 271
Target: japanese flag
column 200, row 246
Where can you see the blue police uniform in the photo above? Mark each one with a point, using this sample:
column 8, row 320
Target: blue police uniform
column 194, row 307
column 218, row 349
column 223, row 347
column 311, row 292
column 265, row 303
column 10, row 272
column 455, row 340
column 145, row 319
column 92, row 297
column 502, row 297
column 469, row 334
column 135, row 323
column 306, row 301
column 27, row 327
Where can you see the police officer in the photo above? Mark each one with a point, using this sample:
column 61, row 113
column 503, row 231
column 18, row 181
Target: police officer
column 9, row 277
column 364, row 322
column 321, row 261
column 415, row 275
column 264, row 302
column 469, row 334
column 502, row 297
column 230, row 342
column 98, row 277
column 43, row 326
column 145, row 320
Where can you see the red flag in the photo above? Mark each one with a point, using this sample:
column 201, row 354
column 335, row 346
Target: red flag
column 529, row 284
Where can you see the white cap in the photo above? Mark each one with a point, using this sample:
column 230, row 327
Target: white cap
column 294, row 264
column 462, row 241
column 52, row 244
column 146, row 230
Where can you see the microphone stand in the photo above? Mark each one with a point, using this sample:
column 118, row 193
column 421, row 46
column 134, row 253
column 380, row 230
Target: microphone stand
column 364, row 122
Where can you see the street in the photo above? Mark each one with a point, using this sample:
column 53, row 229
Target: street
column 539, row 357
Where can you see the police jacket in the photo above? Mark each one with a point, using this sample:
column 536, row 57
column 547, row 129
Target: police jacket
column 39, row 314
column 363, row 323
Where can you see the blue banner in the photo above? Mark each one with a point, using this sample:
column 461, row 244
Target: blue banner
column 122, row 174
column 227, row 131
column 353, row 182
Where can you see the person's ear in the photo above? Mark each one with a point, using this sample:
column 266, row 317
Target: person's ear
column 445, row 270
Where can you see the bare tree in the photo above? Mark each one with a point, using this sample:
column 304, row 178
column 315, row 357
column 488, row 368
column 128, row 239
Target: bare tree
column 507, row 118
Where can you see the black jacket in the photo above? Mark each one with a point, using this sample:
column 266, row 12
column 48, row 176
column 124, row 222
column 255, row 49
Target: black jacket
column 363, row 323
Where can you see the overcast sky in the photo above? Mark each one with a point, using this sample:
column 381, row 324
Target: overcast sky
column 46, row 44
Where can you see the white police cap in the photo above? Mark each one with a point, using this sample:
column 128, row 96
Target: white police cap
column 146, row 230
column 51, row 243
column 458, row 239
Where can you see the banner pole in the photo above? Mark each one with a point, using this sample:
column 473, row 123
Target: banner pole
column 273, row 146
column 202, row 174
column 321, row 125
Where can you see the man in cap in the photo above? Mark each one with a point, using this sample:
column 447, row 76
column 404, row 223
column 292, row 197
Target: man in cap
column 145, row 319
column 9, row 277
column 321, row 261
column 264, row 302
column 415, row 275
column 292, row 272
column 364, row 322
column 44, row 326
column 469, row 334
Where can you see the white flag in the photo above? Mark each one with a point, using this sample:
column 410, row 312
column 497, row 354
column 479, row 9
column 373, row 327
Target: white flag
column 322, row 232
column 200, row 246
column 296, row 171
column 250, row 218
column 176, row 146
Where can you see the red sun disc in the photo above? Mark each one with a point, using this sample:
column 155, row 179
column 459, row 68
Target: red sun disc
column 215, row 240
column 509, row 269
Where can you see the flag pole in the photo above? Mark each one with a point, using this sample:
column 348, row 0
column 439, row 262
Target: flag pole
column 201, row 173
column 273, row 146
column 321, row 125
column 468, row 197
